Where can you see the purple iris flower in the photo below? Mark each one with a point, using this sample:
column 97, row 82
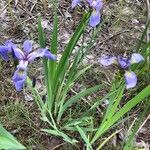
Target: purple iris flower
column 96, row 6
column 124, row 63
column 25, row 57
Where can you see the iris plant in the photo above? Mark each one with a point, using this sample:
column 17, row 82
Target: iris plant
column 124, row 63
column 24, row 58
column 96, row 6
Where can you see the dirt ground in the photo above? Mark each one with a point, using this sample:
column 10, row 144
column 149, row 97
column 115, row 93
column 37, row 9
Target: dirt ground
column 123, row 23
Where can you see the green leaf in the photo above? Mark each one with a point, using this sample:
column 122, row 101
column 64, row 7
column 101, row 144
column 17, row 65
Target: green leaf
column 114, row 102
column 84, row 137
column 46, row 73
column 41, row 33
column 61, row 69
column 60, row 134
column 7, row 141
column 54, row 44
column 42, row 40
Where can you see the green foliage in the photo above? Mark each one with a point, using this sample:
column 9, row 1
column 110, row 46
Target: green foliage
column 7, row 141
column 128, row 145
column 118, row 114
column 61, row 76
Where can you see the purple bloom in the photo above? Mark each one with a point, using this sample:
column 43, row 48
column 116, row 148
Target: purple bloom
column 96, row 6
column 25, row 57
column 124, row 63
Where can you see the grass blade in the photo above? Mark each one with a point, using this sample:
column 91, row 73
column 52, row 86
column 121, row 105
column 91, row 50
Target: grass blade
column 46, row 77
column 84, row 137
column 60, row 134
column 128, row 145
column 54, row 44
column 7, row 141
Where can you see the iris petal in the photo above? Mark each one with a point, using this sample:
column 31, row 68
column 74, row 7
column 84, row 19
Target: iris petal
column 18, row 53
column 75, row 3
column 49, row 55
column 95, row 18
column 41, row 53
column 4, row 52
column 131, row 79
column 19, row 78
column 107, row 60
column 10, row 44
column 136, row 58
column 27, row 46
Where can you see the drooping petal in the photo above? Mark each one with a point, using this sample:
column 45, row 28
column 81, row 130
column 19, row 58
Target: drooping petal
column 49, row 55
column 136, row 58
column 4, row 52
column 19, row 78
column 11, row 46
column 18, row 53
column 107, row 60
column 124, row 62
column 131, row 79
column 41, row 53
column 95, row 18
column 75, row 3
column 27, row 46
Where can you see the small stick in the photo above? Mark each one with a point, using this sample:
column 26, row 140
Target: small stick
column 113, row 36
column 148, row 18
column 143, row 123
column 58, row 146
column 33, row 6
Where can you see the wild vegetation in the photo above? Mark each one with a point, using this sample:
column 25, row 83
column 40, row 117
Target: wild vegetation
column 75, row 75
